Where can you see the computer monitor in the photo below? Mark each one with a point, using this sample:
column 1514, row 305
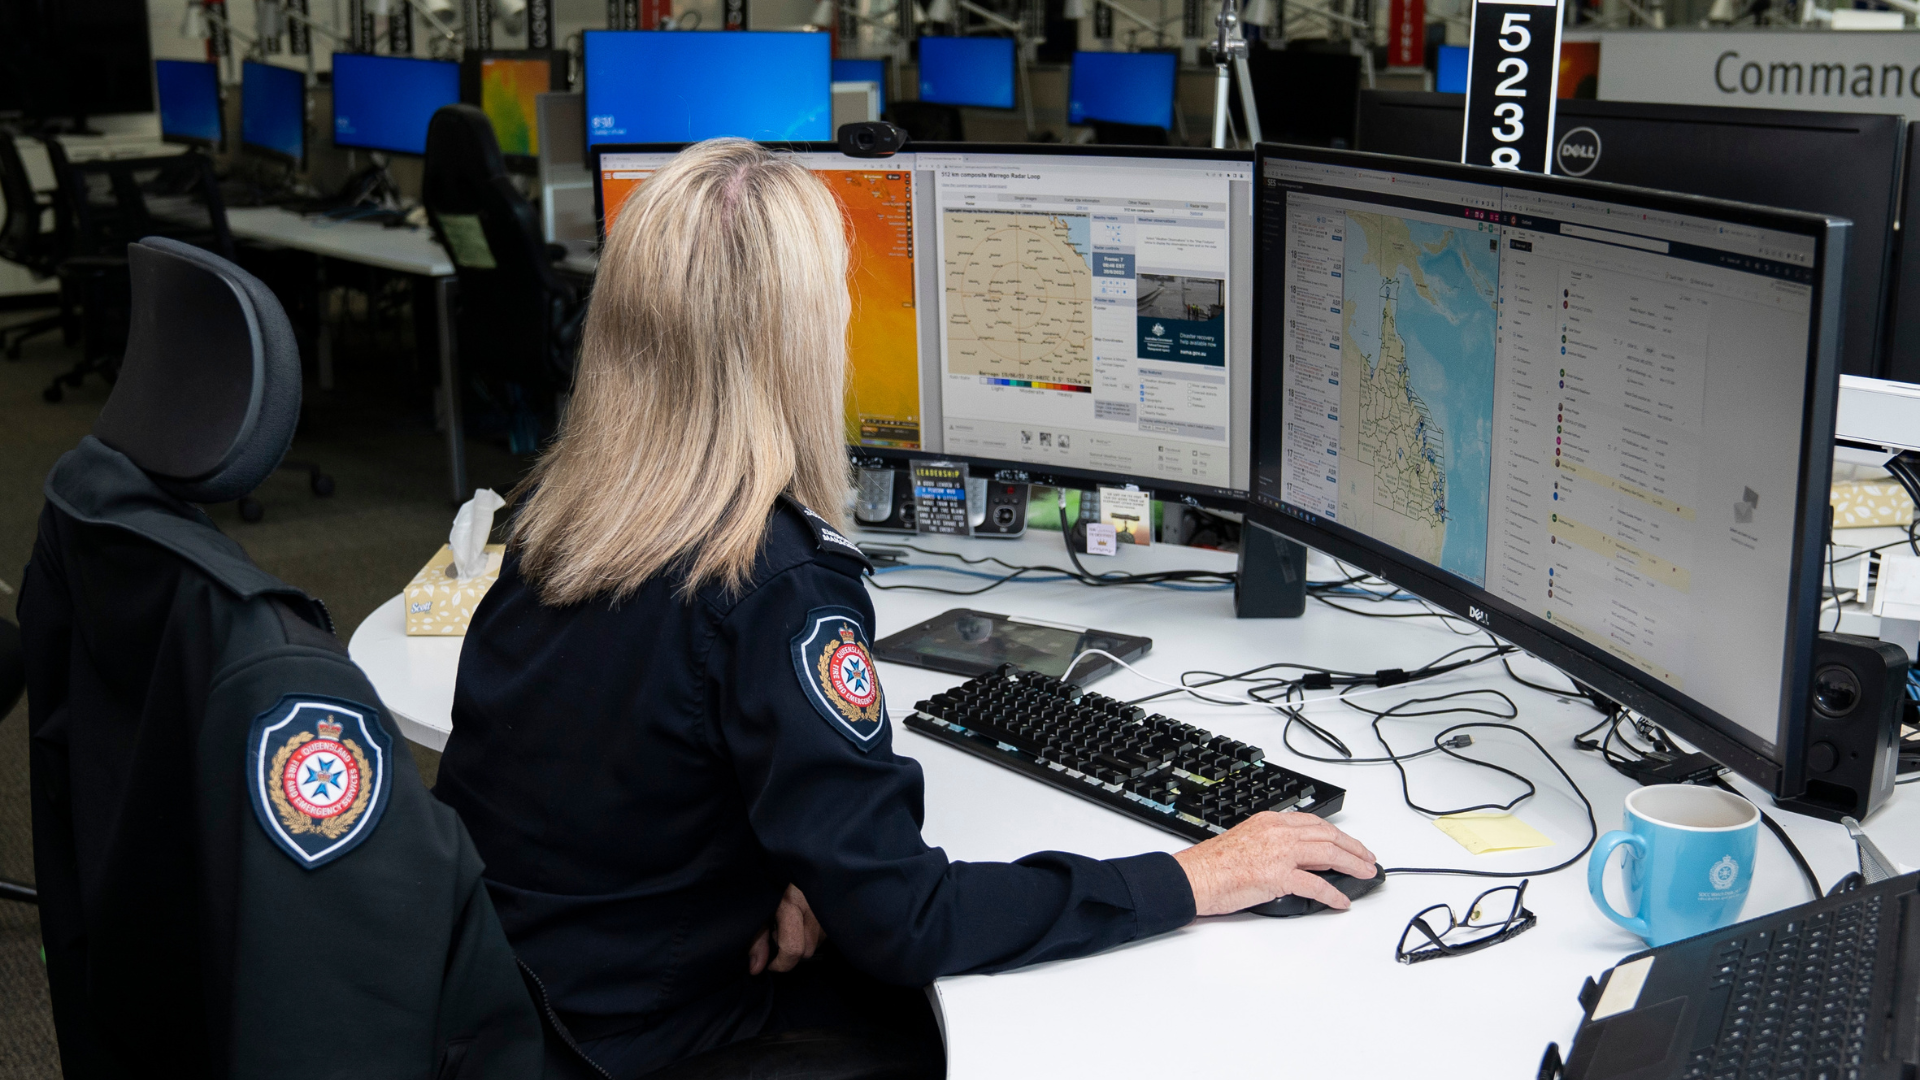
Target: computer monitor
column 1122, row 88
column 975, row 71
column 386, row 102
column 873, row 71
column 273, row 112
column 1903, row 292
column 1843, row 164
column 1450, row 74
column 1306, row 96
column 1080, row 315
column 680, row 86
column 189, row 92
column 1595, row 420
column 506, row 84
column 75, row 58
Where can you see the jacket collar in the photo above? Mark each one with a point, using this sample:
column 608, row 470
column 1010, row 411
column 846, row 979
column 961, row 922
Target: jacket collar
column 99, row 485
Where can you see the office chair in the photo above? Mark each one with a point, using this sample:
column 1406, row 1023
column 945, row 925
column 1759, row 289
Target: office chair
column 165, row 668
column 517, row 321
column 927, row 122
column 23, row 241
column 1111, row 133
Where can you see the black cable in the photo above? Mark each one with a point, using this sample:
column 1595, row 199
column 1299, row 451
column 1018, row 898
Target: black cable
column 1786, row 841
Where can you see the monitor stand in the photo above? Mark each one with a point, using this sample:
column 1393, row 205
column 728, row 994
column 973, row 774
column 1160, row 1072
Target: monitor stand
column 1272, row 583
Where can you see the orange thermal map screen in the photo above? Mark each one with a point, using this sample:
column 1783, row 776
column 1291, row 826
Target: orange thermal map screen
column 883, row 385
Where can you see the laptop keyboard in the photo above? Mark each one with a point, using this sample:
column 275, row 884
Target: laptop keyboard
column 1797, row 999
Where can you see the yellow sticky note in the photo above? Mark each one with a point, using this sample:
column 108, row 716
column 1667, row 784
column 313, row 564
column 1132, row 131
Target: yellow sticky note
column 1484, row 833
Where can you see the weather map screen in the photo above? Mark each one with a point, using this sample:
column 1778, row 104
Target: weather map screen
column 884, row 410
column 674, row 86
column 1585, row 412
column 509, row 92
column 1095, row 312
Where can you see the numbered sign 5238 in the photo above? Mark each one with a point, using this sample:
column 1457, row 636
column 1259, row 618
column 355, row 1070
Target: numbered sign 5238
column 1513, row 75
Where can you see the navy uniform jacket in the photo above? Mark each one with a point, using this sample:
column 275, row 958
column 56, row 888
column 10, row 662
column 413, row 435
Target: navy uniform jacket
column 643, row 779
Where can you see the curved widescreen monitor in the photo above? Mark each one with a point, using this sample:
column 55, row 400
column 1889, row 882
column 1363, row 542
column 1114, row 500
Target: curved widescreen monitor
column 680, row 86
column 1076, row 315
column 386, row 102
column 975, row 71
column 1597, row 420
column 273, row 111
column 1122, row 88
column 189, row 102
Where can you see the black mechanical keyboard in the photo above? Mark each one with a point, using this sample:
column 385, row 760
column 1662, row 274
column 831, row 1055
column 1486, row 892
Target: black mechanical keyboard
column 1150, row 767
column 1798, row 998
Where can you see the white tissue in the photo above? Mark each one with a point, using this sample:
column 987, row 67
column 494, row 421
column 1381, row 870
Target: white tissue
column 470, row 528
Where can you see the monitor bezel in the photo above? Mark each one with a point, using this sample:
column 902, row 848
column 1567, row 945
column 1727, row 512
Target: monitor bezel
column 1173, row 88
column 1013, row 71
column 1716, row 735
column 1085, row 479
column 333, row 99
column 586, row 46
column 559, row 81
column 269, row 152
column 217, row 145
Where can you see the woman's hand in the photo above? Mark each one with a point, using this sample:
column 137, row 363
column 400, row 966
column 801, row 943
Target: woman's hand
column 1269, row 855
column 793, row 937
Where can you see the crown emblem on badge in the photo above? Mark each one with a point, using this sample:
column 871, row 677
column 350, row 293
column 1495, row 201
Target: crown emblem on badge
column 846, row 634
column 328, row 728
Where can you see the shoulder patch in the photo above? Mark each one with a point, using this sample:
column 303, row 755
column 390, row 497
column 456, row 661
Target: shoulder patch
column 319, row 774
column 826, row 537
column 836, row 673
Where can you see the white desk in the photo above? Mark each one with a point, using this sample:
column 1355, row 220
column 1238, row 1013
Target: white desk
column 403, row 250
column 1241, row 995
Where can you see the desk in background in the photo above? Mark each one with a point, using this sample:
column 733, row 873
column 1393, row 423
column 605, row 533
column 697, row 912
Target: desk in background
column 1243, row 995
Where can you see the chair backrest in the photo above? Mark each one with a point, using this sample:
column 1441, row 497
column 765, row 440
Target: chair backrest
column 508, row 287
column 209, row 392
column 117, row 202
column 22, row 239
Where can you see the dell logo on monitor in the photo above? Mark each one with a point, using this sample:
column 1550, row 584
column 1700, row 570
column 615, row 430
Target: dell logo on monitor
column 1476, row 615
column 1578, row 152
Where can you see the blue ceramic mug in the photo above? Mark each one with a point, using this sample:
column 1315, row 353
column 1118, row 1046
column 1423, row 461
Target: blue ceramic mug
column 1689, row 861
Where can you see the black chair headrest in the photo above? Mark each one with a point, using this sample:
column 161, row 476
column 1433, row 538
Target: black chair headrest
column 209, row 393
column 462, row 153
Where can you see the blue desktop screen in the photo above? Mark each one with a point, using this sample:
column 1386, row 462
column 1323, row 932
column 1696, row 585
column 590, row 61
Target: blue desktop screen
column 873, row 71
column 967, row 71
column 385, row 102
column 1452, row 76
column 683, row 86
column 189, row 100
column 1122, row 88
column 273, row 110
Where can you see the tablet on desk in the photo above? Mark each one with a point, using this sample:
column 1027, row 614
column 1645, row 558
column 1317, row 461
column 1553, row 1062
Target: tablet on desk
column 968, row 642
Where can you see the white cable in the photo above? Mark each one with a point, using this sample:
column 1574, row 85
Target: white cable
column 1223, row 699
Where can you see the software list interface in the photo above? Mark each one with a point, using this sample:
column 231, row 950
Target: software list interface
column 1090, row 312
column 1587, row 410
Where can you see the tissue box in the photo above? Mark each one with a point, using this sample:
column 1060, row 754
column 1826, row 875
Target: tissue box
column 1864, row 503
column 439, row 605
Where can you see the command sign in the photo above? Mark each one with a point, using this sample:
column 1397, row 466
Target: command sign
column 1513, row 75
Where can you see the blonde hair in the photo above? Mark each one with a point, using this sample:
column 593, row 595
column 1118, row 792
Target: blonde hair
column 711, row 379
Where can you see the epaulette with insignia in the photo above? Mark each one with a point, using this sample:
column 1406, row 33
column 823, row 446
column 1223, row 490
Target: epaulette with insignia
column 826, row 537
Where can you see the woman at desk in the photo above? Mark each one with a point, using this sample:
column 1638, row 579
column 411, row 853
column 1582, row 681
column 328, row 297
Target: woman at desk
column 670, row 745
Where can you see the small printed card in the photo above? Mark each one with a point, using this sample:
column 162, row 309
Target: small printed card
column 1100, row 539
column 940, row 498
column 1129, row 512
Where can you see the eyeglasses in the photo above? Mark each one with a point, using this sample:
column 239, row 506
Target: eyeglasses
column 1495, row 916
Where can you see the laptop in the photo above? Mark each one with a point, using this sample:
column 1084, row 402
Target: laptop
column 1823, row 991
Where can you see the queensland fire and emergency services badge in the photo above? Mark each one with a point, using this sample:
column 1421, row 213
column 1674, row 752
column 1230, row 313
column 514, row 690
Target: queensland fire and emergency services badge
column 318, row 776
column 836, row 672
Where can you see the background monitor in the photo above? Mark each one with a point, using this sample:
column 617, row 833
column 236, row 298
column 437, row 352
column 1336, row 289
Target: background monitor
column 1903, row 292
column 1450, row 74
column 189, row 92
column 386, row 102
column 506, row 84
column 1306, row 96
column 975, row 71
column 1596, row 420
column 1122, row 88
column 1088, row 321
column 873, row 71
column 273, row 111
column 679, row 86
column 1842, row 164
column 75, row 58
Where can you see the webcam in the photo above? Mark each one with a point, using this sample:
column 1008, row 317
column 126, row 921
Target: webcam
column 871, row 139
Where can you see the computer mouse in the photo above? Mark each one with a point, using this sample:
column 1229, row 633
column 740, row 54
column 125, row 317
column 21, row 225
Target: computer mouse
column 1287, row 907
